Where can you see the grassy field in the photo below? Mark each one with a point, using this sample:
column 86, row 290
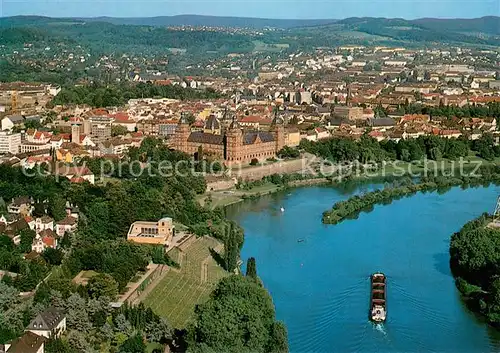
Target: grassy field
column 179, row 291
column 227, row 197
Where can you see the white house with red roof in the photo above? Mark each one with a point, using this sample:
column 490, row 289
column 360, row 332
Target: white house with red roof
column 38, row 137
column 33, row 161
column 44, row 240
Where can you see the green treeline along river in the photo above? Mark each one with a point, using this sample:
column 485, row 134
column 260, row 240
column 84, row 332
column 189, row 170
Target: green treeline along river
column 318, row 275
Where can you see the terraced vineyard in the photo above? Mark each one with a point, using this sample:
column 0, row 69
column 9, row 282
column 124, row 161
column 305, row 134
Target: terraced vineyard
column 180, row 290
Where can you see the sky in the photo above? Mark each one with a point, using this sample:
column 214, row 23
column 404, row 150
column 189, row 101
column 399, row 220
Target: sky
column 289, row 9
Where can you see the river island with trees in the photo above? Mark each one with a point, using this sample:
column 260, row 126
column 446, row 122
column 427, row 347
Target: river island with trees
column 352, row 207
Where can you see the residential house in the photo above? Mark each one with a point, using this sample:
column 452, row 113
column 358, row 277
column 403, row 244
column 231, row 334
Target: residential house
column 30, row 221
column 382, row 124
column 77, row 174
column 44, row 223
column 13, row 230
column 317, row 134
column 350, row 113
column 167, row 128
column 158, row 233
column 44, row 240
column 124, row 120
column 377, row 135
column 66, row 225
column 9, row 218
column 50, row 323
column 33, row 161
column 9, row 122
column 21, row 205
column 254, row 121
column 72, row 210
column 115, row 146
column 27, row 343
column 38, row 137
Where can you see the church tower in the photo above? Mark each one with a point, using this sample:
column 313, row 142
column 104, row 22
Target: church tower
column 182, row 134
column 75, row 134
column 278, row 130
column 233, row 143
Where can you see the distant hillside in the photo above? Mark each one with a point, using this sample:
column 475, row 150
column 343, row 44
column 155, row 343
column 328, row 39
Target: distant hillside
column 211, row 21
column 121, row 33
column 489, row 24
column 162, row 21
column 483, row 30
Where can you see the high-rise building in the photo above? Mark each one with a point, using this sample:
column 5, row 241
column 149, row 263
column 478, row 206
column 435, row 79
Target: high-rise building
column 98, row 127
column 9, row 142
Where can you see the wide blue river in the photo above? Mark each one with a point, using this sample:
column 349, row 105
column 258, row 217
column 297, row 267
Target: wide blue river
column 320, row 286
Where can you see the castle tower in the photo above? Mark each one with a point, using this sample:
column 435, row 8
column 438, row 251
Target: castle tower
column 75, row 134
column 233, row 149
column 182, row 134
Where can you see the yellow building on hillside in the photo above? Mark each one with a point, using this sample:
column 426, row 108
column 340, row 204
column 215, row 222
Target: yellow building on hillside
column 154, row 233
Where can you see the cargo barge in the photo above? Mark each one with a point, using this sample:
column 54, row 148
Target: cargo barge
column 378, row 304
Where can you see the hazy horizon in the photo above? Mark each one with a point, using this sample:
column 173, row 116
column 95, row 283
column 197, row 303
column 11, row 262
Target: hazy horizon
column 272, row 9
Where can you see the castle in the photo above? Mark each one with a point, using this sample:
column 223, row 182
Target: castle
column 233, row 145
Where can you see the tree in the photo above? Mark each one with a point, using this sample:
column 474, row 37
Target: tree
column 238, row 317
column 27, row 236
column 118, row 130
column 288, row 152
column 53, row 256
column 6, row 243
column 3, row 205
column 134, row 344
column 78, row 340
column 57, row 207
column 251, row 268
column 102, row 285
column 40, row 209
column 76, row 314
column 58, row 346
column 9, row 296
column 279, row 339
column 231, row 249
column 435, row 154
column 122, row 324
column 158, row 331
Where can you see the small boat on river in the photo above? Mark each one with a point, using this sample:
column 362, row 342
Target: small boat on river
column 378, row 304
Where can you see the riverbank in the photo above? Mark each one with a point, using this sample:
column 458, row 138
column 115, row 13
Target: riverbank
column 352, row 207
column 474, row 258
column 388, row 171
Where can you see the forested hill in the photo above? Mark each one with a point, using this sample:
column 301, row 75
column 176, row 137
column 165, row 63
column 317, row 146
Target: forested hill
column 485, row 30
column 212, row 21
column 488, row 24
column 165, row 21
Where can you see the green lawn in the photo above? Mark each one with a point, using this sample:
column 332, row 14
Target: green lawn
column 179, row 291
column 227, row 197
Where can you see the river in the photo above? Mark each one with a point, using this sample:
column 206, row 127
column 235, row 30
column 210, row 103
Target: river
column 320, row 286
